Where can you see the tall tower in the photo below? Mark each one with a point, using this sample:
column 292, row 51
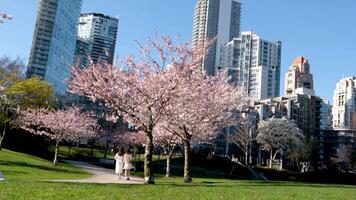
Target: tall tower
column 344, row 104
column 298, row 78
column 219, row 19
column 254, row 64
column 100, row 31
column 54, row 41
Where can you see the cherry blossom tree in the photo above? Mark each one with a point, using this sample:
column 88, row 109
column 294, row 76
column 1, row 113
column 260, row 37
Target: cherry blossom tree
column 4, row 17
column 245, row 134
column 59, row 125
column 203, row 105
column 169, row 142
column 129, row 138
column 140, row 91
column 279, row 136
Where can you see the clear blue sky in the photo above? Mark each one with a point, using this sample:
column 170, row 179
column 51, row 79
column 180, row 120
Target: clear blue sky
column 322, row 30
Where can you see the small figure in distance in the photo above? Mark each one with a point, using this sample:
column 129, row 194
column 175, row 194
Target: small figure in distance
column 127, row 163
column 119, row 164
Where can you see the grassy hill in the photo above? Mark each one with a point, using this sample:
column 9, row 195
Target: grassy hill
column 19, row 166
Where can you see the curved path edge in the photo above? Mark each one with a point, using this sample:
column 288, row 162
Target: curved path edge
column 100, row 175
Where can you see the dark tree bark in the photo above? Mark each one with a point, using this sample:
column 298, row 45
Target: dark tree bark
column 187, row 167
column 148, row 168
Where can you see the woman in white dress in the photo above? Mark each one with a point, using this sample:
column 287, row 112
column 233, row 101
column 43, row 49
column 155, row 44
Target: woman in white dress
column 127, row 164
column 119, row 164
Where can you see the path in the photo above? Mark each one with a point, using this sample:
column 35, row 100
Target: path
column 100, row 175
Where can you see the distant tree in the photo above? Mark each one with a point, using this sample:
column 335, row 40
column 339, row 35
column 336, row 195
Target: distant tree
column 245, row 134
column 59, row 125
column 279, row 136
column 22, row 94
column 31, row 93
column 129, row 138
column 10, row 70
column 169, row 142
column 345, row 158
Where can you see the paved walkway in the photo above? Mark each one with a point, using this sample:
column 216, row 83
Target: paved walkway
column 100, row 175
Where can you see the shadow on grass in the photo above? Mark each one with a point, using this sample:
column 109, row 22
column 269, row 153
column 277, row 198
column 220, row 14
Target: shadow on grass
column 12, row 172
column 41, row 167
column 255, row 184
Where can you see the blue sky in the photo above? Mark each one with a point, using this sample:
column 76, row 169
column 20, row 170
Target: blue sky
column 324, row 31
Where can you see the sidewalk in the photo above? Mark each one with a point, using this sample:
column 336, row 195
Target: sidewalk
column 100, row 175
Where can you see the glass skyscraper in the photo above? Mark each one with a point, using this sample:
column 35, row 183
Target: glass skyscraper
column 54, row 40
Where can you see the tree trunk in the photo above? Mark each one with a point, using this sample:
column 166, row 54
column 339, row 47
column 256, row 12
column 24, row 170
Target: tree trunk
column 69, row 148
column 92, row 149
column 259, row 156
column 270, row 158
column 187, row 167
column 106, row 151
column 3, row 135
column 55, row 161
column 250, row 153
column 281, row 161
column 148, row 168
column 168, row 167
column 246, row 158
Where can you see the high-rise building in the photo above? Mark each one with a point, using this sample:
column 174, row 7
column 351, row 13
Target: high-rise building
column 81, row 53
column 344, row 108
column 325, row 115
column 254, row 64
column 298, row 79
column 304, row 110
column 54, row 41
column 219, row 20
column 100, row 31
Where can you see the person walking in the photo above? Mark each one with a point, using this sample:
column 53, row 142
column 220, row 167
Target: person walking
column 119, row 164
column 127, row 164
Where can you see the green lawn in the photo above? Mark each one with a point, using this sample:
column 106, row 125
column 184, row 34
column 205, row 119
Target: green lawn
column 22, row 167
column 25, row 174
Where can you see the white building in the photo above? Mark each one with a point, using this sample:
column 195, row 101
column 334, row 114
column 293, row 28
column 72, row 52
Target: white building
column 100, row 31
column 344, row 100
column 299, row 79
column 254, row 63
column 219, row 19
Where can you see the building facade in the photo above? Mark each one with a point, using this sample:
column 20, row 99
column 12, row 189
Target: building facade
column 219, row 20
column 326, row 115
column 254, row 64
column 344, row 108
column 81, row 53
column 100, row 31
column 299, row 79
column 54, row 41
column 304, row 110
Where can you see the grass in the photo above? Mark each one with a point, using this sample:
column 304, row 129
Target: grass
column 22, row 167
column 26, row 183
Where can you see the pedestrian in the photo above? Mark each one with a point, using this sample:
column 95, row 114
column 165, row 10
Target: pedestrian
column 127, row 163
column 119, row 164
